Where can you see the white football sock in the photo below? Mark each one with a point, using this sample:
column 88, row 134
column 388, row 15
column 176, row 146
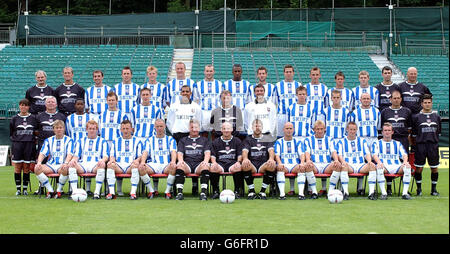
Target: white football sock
column 406, row 179
column 334, row 179
column 43, row 179
column 61, row 182
column 73, row 178
column 381, row 181
column 99, row 178
column 147, row 182
column 170, row 181
column 301, row 179
column 311, row 181
column 372, row 179
column 111, row 179
column 344, row 181
column 134, row 180
column 281, row 180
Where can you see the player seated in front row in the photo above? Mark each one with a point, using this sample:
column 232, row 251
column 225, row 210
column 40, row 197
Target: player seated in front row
column 354, row 155
column 226, row 156
column 91, row 155
column 60, row 149
column 194, row 153
column 387, row 154
column 160, row 153
column 320, row 156
column 124, row 159
column 258, row 157
column 288, row 154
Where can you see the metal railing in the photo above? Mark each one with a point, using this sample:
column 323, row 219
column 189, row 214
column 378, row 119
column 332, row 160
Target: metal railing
column 251, row 41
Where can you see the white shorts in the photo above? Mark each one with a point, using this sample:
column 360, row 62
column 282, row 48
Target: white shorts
column 158, row 168
column 206, row 117
column 321, row 167
column 54, row 167
column 123, row 166
column 88, row 166
column 290, row 167
column 282, row 119
column 392, row 168
column 356, row 166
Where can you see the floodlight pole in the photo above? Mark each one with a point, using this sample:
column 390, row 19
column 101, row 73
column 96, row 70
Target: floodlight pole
column 391, row 7
column 224, row 24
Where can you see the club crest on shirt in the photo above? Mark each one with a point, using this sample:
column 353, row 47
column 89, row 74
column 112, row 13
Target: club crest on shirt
column 194, row 146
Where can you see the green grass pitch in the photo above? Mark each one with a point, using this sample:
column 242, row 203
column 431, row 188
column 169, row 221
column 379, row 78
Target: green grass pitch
column 34, row 215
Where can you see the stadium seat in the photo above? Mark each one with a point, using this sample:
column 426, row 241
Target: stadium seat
column 358, row 175
column 394, row 176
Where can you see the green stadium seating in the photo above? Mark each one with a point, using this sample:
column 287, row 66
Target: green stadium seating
column 18, row 65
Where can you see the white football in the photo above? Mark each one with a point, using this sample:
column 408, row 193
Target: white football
column 335, row 196
column 79, row 195
column 227, row 196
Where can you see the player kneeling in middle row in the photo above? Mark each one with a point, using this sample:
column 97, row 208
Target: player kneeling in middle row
column 160, row 152
column 91, row 155
column 258, row 157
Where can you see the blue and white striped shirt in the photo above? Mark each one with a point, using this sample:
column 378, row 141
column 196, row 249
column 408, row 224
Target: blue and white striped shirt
column 372, row 91
column 159, row 149
column 109, row 124
column 353, row 151
column 126, row 150
column 143, row 119
column 316, row 95
column 76, row 125
column 96, row 98
column 173, row 90
column 239, row 92
column 336, row 121
column 347, row 98
column 286, row 95
column 209, row 92
column 57, row 149
column 288, row 151
column 389, row 153
column 302, row 117
column 269, row 93
column 128, row 95
column 320, row 149
column 91, row 150
column 368, row 121
column 157, row 93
